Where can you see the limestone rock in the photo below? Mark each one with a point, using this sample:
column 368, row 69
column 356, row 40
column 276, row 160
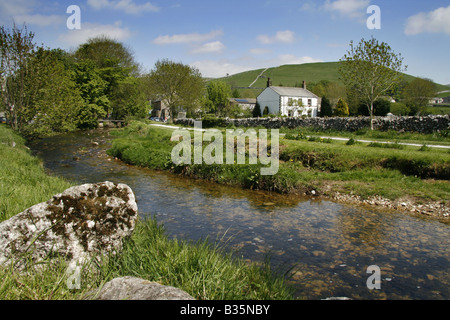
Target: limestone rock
column 78, row 224
column 131, row 288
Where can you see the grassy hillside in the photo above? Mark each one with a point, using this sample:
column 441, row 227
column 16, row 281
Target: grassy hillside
column 290, row 75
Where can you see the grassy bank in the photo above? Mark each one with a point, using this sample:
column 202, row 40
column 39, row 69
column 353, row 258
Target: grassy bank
column 327, row 167
column 23, row 181
column 203, row 269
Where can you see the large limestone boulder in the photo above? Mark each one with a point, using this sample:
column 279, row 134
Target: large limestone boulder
column 131, row 288
column 81, row 223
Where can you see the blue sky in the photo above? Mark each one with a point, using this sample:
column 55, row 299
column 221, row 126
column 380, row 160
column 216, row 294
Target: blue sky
column 231, row 36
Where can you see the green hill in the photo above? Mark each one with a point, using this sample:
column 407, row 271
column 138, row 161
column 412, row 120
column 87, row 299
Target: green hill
column 287, row 75
column 294, row 75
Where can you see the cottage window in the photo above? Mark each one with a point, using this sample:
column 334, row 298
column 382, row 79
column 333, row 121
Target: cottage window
column 309, row 102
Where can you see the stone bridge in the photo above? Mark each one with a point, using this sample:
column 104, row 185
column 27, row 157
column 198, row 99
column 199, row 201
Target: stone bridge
column 110, row 123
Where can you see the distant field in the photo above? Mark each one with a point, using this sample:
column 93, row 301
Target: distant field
column 290, row 75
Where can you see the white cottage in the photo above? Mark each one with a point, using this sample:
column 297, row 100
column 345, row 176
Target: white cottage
column 289, row 101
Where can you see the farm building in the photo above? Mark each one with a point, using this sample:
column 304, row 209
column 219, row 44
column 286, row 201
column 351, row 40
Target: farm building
column 289, row 101
column 243, row 103
column 160, row 109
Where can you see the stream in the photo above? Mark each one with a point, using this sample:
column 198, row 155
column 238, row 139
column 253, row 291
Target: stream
column 326, row 247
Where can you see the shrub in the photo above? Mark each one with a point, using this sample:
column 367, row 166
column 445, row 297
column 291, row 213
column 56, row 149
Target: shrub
column 211, row 121
column 341, row 109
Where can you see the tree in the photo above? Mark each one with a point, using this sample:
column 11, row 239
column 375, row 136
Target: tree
column 341, row 109
column 114, row 63
column 371, row 69
column 325, row 108
column 236, row 94
column 181, row 86
column 418, row 93
column 132, row 98
column 108, row 53
column 92, row 87
column 256, row 111
column 381, row 107
column 16, row 48
column 218, row 93
column 93, row 91
column 52, row 96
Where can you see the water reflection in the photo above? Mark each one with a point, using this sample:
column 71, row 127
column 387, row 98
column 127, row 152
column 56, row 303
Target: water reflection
column 330, row 245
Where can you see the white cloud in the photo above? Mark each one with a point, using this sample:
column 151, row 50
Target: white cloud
column 290, row 59
column 187, row 38
column 127, row 6
column 40, row 20
column 355, row 9
column 286, row 36
column 92, row 30
column 210, row 47
column 218, row 69
column 22, row 11
column 437, row 21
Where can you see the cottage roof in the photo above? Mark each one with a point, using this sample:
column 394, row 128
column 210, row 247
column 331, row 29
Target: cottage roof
column 243, row 100
column 294, row 92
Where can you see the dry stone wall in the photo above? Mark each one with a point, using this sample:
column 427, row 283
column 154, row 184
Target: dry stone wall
column 421, row 124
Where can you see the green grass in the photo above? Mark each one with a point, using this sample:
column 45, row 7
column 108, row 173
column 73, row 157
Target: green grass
column 204, row 269
column 392, row 171
column 439, row 138
column 23, row 181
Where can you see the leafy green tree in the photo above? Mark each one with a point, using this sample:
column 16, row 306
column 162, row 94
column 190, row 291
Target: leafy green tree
column 418, row 93
column 132, row 98
column 16, row 48
column 115, row 64
column 218, row 93
column 93, row 91
column 341, row 109
column 381, row 108
column 372, row 69
column 87, row 116
column 400, row 109
column 236, row 94
column 53, row 98
column 326, row 109
column 181, row 86
column 108, row 53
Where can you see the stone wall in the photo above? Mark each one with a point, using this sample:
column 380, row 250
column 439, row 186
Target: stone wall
column 425, row 124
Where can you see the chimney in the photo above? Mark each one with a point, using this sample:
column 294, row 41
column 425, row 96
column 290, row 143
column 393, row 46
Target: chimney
column 269, row 83
column 304, row 84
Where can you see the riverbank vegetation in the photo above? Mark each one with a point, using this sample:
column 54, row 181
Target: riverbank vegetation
column 50, row 91
column 23, row 181
column 308, row 165
column 204, row 269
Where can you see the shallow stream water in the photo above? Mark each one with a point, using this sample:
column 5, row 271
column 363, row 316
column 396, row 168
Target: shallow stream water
column 327, row 247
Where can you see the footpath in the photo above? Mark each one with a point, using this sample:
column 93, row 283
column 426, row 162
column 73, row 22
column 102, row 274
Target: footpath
column 336, row 138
